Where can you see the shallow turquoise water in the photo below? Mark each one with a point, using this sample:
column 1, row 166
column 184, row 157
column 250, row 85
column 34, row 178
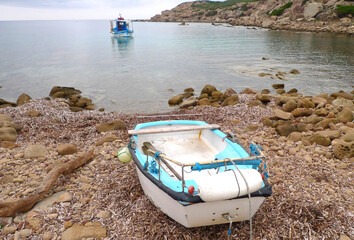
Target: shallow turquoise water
column 137, row 75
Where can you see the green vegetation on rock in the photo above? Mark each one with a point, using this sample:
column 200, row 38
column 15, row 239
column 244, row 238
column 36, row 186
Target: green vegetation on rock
column 278, row 12
column 212, row 13
column 210, row 5
column 343, row 10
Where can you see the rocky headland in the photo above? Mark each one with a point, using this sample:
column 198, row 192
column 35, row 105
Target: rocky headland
column 300, row 15
column 308, row 141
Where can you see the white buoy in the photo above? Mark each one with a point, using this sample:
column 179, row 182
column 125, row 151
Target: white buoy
column 123, row 155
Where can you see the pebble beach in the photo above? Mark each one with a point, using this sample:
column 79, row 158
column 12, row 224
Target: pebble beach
column 312, row 181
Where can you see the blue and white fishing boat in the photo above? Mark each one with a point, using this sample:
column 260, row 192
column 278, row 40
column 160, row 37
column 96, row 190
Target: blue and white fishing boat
column 121, row 27
column 197, row 174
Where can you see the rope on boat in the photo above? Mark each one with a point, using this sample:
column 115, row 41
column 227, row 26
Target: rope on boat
column 249, row 198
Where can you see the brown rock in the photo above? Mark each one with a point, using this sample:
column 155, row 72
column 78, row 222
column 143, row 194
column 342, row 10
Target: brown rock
column 342, row 95
column 35, row 151
column 204, row 95
column 254, row 103
column 289, row 106
column 300, row 112
column 216, row 95
column 278, row 86
column 66, row 149
column 229, row 92
column 346, row 115
column 77, row 232
column 331, row 134
column 305, row 103
column 22, row 99
column 208, row 89
column 5, row 118
column 295, row 136
column 235, row 121
column 8, row 134
column 264, row 98
column 110, row 126
column 344, row 149
column 294, row 71
column 233, row 100
column 282, row 115
column 286, row 128
column 203, row 102
column 325, row 123
column 342, row 102
column 250, row 91
column 83, row 102
column 68, row 91
column 190, row 102
column 106, row 139
column 321, row 112
column 265, row 91
column 319, row 100
column 293, row 90
column 8, row 144
column 215, row 104
column 320, row 140
column 189, row 90
column 280, row 91
column 33, row 113
column 175, row 100
column 76, row 109
column 59, row 95
column 252, row 127
column 91, row 107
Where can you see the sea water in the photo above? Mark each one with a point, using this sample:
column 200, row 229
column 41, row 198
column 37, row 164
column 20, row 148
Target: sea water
column 140, row 74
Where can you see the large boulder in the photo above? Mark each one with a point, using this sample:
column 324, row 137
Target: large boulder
column 203, row 102
column 331, row 134
column 22, row 99
column 290, row 106
column 312, row 9
column 208, row 89
column 110, row 126
column 342, row 95
column 346, row 115
column 189, row 102
column 233, row 100
column 217, row 95
column 344, row 149
column 229, row 92
column 175, row 99
column 320, row 140
column 286, row 128
column 65, row 92
column 342, row 102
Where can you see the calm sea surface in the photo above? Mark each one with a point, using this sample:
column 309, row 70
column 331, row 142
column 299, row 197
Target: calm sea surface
column 141, row 74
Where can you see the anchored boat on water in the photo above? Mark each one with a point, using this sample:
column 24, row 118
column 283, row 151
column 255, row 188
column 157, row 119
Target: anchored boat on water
column 196, row 174
column 121, row 27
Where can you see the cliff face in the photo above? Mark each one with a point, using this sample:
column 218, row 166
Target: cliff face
column 319, row 15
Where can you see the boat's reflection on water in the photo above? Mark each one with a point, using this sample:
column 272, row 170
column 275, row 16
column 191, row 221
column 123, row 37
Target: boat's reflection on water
column 122, row 44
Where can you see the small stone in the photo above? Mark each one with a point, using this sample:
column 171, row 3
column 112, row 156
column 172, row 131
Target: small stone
column 68, row 224
column 278, row 86
column 65, row 197
column 47, row 235
column 110, row 126
column 104, row 215
column 77, row 232
column 9, row 230
column 282, row 115
column 295, row 136
column 25, row 232
column 33, row 113
column 66, row 149
column 294, row 71
column 105, row 139
column 35, row 151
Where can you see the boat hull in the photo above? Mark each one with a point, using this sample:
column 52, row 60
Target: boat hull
column 122, row 34
column 199, row 214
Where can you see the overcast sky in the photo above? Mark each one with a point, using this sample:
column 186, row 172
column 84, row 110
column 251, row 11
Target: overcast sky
column 83, row 9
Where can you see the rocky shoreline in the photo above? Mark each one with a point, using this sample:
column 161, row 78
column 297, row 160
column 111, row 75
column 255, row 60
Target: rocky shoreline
column 308, row 141
column 310, row 16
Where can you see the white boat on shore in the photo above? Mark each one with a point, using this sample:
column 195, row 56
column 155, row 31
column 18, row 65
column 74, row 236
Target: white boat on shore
column 195, row 174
